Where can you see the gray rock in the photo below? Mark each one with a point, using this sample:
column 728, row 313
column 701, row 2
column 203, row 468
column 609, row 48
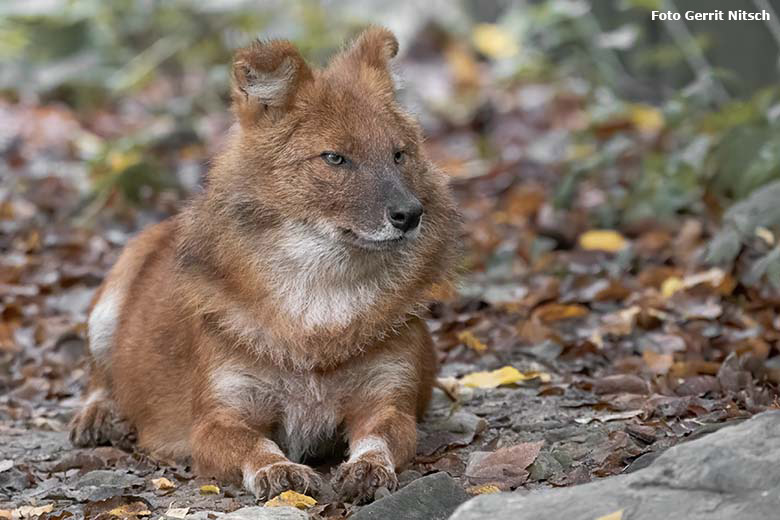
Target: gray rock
column 266, row 513
column 434, row 497
column 108, row 478
column 732, row 473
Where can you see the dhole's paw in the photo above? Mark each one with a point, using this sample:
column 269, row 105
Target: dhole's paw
column 270, row 480
column 356, row 481
column 93, row 425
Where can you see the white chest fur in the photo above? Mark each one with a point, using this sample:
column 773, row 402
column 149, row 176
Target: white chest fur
column 306, row 409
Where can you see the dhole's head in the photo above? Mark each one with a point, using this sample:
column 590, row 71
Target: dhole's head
column 330, row 149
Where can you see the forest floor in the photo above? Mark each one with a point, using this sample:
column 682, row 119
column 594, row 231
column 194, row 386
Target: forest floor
column 621, row 343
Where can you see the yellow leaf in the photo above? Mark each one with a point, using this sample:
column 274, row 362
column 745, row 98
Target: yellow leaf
column 485, row 489
column 470, row 340
column 602, row 240
column 291, row 498
column 556, row 312
column 209, row 489
column 493, row 41
column 617, row 515
column 646, row 119
column 671, row 285
column 766, row 235
column 463, row 66
column 162, row 483
column 503, row 376
column 128, row 511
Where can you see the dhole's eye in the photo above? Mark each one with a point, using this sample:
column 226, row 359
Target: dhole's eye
column 399, row 156
column 333, row 159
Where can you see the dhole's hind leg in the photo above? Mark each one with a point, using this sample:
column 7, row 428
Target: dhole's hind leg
column 98, row 421
column 91, row 426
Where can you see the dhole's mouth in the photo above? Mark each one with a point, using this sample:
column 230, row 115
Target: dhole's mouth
column 354, row 239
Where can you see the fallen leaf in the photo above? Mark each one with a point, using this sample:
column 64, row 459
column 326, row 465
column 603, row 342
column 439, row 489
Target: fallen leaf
column 209, row 489
column 556, row 312
column 293, row 499
column 163, row 483
column 620, row 323
column 486, row 489
column 177, row 512
column 602, row 240
column 647, row 119
column 131, row 510
column 658, row 363
column 493, row 41
column 617, row 515
column 620, row 416
column 31, row 511
column 470, row 340
column 503, row 468
column 766, row 235
column 671, row 285
column 503, row 376
column 621, row 383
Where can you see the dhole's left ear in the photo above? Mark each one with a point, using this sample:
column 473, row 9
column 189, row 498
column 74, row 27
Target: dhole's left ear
column 266, row 78
column 374, row 47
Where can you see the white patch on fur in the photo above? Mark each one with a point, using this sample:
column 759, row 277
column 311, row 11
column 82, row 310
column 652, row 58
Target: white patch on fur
column 319, row 281
column 249, row 476
column 270, row 88
column 371, row 444
column 293, row 397
column 249, row 473
column 95, row 396
column 102, row 324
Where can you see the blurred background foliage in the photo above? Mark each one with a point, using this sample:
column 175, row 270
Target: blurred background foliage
column 638, row 120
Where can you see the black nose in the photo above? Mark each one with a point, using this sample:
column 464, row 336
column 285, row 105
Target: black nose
column 406, row 215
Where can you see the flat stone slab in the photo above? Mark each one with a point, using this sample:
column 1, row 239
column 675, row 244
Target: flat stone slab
column 433, row 497
column 732, row 473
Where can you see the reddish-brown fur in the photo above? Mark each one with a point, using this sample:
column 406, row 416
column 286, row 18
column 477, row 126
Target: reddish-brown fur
column 258, row 317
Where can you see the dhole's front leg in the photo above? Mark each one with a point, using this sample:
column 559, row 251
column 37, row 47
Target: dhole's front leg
column 225, row 446
column 380, row 441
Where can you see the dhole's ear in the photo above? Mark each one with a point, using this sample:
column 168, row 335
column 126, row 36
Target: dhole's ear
column 374, row 47
column 266, row 77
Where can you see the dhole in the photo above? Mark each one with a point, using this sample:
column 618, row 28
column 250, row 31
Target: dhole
column 277, row 313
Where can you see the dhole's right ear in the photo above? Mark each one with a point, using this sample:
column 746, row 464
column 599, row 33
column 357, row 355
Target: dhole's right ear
column 266, row 77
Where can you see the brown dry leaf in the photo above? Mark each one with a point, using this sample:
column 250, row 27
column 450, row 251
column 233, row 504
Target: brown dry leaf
column 291, row 499
column 621, row 383
column 602, row 240
column 503, row 376
column 470, row 340
column 162, row 483
column 658, row 363
column 6, row 513
column 617, row 515
column 503, row 468
column 555, row 312
column 209, row 489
